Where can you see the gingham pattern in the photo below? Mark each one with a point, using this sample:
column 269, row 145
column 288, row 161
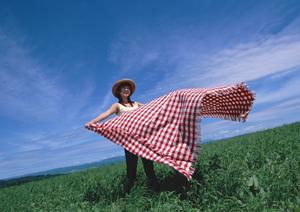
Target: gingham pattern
column 166, row 129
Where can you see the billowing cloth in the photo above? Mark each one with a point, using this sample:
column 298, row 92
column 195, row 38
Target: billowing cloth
column 166, row 129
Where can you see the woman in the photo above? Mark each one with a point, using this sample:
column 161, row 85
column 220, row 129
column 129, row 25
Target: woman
column 167, row 130
column 122, row 90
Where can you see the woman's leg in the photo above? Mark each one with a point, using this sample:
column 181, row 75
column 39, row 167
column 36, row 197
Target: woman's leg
column 149, row 170
column 131, row 166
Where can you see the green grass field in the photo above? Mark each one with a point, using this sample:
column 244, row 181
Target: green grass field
column 254, row 172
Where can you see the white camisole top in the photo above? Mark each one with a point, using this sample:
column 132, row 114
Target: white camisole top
column 124, row 109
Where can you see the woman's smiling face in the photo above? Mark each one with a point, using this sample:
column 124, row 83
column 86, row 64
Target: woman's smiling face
column 125, row 91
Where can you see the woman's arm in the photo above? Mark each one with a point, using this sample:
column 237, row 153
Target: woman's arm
column 112, row 110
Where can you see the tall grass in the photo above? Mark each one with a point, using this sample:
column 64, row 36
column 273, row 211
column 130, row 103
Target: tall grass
column 254, row 172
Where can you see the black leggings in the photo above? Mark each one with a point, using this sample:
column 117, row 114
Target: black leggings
column 131, row 165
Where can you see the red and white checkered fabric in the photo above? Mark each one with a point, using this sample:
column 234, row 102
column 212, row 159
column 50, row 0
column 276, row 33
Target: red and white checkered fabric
column 166, row 129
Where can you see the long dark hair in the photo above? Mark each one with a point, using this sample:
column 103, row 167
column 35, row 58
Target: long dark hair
column 120, row 99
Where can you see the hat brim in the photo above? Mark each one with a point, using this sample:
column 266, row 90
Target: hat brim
column 121, row 82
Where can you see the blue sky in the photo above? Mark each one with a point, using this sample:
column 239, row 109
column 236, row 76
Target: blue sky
column 59, row 59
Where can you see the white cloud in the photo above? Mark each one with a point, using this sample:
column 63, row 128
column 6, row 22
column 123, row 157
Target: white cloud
column 30, row 90
column 280, row 111
column 243, row 62
column 188, row 61
column 132, row 52
column 57, row 141
column 255, row 60
column 289, row 89
column 41, row 160
column 24, row 86
column 31, row 93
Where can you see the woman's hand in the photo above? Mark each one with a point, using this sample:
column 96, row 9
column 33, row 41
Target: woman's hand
column 88, row 124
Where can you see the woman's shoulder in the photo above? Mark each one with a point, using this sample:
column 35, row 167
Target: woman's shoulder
column 139, row 104
column 115, row 105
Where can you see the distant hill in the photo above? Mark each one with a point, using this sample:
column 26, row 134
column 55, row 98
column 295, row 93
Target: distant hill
column 59, row 171
column 70, row 169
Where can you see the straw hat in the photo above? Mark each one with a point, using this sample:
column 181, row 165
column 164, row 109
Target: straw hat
column 121, row 82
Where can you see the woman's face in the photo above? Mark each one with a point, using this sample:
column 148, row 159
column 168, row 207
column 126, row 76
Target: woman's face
column 125, row 91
